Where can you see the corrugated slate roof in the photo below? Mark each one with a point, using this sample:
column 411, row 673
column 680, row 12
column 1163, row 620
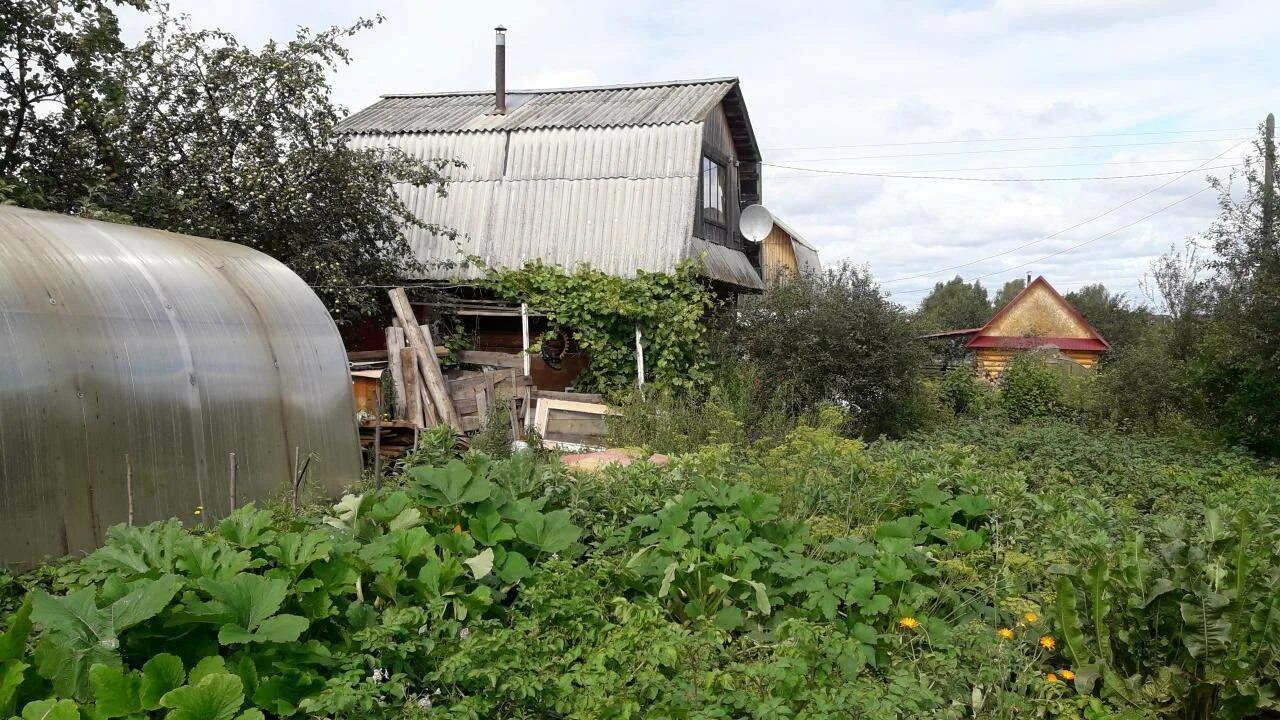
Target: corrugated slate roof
column 606, row 176
column 605, row 106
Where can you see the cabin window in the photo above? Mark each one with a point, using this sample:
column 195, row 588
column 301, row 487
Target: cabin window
column 714, row 187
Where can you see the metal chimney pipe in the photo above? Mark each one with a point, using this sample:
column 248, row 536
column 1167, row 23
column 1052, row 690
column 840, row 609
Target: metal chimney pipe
column 500, row 71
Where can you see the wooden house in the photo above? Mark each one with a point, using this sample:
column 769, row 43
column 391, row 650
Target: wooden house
column 621, row 177
column 784, row 252
column 1038, row 318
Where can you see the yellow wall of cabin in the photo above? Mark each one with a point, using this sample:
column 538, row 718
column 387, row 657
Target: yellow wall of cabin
column 993, row 361
column 777, row 255
column 1038, row 314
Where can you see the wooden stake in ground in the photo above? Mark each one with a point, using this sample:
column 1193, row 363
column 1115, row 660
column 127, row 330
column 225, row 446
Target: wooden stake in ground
column 128, row 485
column 422, row 344
column 395, row 343
column 377, row 444
column 408, row 362
column 231, row 484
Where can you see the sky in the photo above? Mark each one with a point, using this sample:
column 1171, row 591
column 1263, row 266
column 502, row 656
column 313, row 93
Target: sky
column 1016, row 89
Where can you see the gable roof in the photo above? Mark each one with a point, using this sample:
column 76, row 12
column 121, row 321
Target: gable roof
column 602, row 175
column 987, row 335
column 680, row 101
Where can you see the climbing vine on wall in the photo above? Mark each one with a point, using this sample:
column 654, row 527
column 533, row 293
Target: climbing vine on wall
column 602, row 311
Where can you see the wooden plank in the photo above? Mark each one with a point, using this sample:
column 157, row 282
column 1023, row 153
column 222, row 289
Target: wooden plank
column 366, row 355
column 429, row 364
column 395, row 343
column 596, row 398
column 413, row 396
column 482, row 405
column 482, row 357
column 466, row 382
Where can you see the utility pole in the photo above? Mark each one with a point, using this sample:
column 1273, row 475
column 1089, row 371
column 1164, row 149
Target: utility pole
column 1269, row 179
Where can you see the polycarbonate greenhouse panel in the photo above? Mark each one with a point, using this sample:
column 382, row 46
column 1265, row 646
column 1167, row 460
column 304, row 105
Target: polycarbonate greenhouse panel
column 128, row 349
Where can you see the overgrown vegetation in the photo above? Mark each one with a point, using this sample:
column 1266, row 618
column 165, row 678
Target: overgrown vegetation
column 603, row 312
column 987, row 569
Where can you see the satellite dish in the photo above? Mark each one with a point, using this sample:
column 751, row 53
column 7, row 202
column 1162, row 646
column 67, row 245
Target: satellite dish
column 756, row 222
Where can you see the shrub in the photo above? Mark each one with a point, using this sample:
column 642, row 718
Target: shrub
column 833, row 339
column 1030, row 387
column 963, row 392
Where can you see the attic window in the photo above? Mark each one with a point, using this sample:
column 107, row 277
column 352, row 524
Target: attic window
column 714, row 185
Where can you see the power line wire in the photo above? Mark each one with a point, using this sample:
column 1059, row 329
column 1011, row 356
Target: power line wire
column 1099, row 216
column 1006, row 139
column 1077, row 246
column 902, row 176
column 1012, row 150
column 1012, row 167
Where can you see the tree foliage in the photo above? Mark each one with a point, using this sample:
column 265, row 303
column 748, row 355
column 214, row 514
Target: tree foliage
column 833, row 338
column 1111, row 314
column 1008, row 292
column 191, row 131
column 956, row 305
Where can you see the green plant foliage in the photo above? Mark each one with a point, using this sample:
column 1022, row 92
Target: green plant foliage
column 1031, row 388
column 986, row 569
column 602, row 311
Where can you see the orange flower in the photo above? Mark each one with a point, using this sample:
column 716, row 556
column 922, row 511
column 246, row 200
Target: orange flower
column 1004, row 634
column 1047, row 642
column 1051, row 678
column 908, row 623
column 1067, row 674
column 1030, row 617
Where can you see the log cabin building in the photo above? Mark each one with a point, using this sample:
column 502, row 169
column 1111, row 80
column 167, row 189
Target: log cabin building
column 1037, row 318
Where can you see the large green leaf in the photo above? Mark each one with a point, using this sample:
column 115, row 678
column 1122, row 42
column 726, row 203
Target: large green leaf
column 1069, row 621
column 453, row 484
column 246, row 604
column 12, row 674
column 160, row 674
column 51, row 710
column 1207, row 630
column 550, row 532
column 78, row 634
column 248, row 527
column 216, row 697
column 116, row 692
column 13, row 641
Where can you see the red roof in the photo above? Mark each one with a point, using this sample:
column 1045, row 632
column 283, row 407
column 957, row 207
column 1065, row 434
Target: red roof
column 981, row 339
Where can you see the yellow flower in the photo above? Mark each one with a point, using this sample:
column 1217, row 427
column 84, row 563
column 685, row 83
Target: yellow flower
column 1030, row 616
column 908, row 623
column 1047, row 642
column 1067, row 674
column 1051, row 678
column 1004, row 634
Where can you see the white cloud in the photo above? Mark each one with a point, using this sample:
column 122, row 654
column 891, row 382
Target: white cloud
column 841, row 74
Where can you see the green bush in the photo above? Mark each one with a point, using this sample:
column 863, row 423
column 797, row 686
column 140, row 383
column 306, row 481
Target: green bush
column 1031, row 388
column 963, row 392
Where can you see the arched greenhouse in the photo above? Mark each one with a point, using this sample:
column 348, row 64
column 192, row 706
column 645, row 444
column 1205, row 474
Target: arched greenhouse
column 136, row 359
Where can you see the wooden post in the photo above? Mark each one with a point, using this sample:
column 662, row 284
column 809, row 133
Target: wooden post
column 639, row 361
column 423, row 345
column 395, row 343
column 128, row 486
column 408, row 362
column 377, row 443
column 231, row 483
column 524, row 330
column 298, row 477
column 297, row 450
